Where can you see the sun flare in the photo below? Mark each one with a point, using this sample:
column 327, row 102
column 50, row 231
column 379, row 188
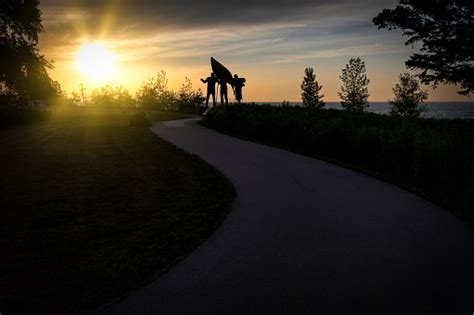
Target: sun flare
column 95, row 62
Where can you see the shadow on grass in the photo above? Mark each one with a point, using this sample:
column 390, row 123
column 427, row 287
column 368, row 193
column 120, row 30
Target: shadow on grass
column 93, row 207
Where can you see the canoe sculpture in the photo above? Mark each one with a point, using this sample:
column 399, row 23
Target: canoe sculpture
column 221, row 71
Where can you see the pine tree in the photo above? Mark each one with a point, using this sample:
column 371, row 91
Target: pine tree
column 354, row 92
column 310, row 90
column 408, row 97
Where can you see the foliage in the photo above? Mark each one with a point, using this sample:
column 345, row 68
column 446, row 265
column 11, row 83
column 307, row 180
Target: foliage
column 112, row 96
column 23, row 70
column 139, row 118
column 408, row 97
column 444, row 28
column 79, row 97
column 431, row 157
column 310, row 90
column 187, row 98
column 354, row 92
column 14, row 115
column 155, row 94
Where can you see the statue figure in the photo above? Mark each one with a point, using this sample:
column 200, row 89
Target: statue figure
column 223, row 85
column 239, row 83
column 211, row 89
column 224, row 76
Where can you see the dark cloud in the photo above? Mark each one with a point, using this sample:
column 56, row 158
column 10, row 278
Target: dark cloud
column 189, row 13
column 232, row 26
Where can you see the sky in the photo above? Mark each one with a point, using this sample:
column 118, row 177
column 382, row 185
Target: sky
column 270, row 43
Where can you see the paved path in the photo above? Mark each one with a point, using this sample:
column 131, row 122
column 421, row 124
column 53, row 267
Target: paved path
column 306, row 236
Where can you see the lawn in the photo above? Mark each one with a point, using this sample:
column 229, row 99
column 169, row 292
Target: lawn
column 433, row 158
column 92, row 207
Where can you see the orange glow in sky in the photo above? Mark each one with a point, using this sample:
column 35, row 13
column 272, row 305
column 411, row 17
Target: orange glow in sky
column 110, row 43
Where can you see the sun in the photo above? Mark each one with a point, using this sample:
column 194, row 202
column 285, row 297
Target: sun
column 95, row 62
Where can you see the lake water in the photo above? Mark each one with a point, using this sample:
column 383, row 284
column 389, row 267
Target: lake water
column 439, row 110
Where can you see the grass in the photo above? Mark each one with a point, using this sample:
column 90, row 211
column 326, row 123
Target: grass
column 92, row 207
column 154, row 115
column 433, row 158
column 17, row 116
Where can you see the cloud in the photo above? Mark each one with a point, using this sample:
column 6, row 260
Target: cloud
column 184, row 28
column 181, row 35
column 189, row 13
column 159, row 15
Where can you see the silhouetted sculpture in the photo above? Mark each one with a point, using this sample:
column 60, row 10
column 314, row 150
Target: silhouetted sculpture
column 239, row 83
column 223, row 84
column 224, row 76
column 211, row 89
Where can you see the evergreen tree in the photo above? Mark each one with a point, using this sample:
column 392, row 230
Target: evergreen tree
column 408, row 97
column 354, row 90
column 310, row 90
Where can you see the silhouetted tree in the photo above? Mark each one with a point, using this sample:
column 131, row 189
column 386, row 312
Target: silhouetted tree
column 354, row 92
column 310, row 90
column 285, row 103
column 75, row 98
column 23, row 74
column 154, row 93
column 408, row 97
column 79, row 97
column 445, row 29
column 111, row 96
column 188, row 98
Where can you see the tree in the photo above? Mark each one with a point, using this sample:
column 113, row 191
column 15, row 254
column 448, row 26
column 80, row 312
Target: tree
column 310, row 90
column 111, row 96
column 23, row 71
column 188, row 98
column 445, row 30
column 154, row 93
column 75, row 98
column 354, row 92
column 408, row 97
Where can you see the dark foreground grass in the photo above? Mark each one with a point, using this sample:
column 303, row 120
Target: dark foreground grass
column 92, row 207
column 434, row 158
column 18, row 116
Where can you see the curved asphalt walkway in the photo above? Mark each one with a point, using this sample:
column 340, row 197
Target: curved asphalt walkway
column 306, row 236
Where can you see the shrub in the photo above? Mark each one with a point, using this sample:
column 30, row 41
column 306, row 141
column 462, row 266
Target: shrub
column 432, row 157
column 111, row 96
column 155, row 94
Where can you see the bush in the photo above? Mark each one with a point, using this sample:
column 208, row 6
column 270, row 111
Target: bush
column 112, row 96
column 431, row 157
column 139, row 119
column 155, row 94
column 12, row 116
column 188, row 99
